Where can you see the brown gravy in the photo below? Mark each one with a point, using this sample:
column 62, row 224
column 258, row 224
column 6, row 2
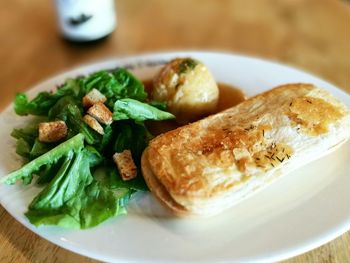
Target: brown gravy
column 229, row 96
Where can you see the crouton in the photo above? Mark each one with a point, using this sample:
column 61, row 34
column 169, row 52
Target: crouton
column 101, row 113
column 93, row 97
column 125, row 164
column 93, row 124
column 52, row 131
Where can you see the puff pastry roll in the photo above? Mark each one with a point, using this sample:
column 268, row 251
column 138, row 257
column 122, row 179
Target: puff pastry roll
column 205, row 167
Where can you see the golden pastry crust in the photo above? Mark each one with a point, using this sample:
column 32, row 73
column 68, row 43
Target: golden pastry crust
column 158, row 189
column 206, row 166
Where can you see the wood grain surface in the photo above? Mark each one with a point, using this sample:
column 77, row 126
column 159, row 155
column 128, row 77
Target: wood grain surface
column 310, row 34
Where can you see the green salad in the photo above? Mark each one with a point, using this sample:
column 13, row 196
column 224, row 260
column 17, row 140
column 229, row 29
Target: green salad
column 70, row 147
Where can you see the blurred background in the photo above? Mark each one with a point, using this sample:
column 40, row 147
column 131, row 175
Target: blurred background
column 310, row 34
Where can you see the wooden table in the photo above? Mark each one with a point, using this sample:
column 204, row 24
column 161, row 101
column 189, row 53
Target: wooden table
column 310, row 34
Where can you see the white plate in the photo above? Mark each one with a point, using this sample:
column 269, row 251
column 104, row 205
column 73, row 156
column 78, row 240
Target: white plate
column 297, row 213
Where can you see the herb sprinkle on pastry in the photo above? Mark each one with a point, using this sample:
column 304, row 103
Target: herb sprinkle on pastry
column 205, row 167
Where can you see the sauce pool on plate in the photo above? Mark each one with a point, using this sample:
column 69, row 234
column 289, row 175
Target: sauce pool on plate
column 229, row 96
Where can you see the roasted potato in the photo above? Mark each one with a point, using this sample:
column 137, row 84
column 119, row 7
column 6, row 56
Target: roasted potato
column 188, row 87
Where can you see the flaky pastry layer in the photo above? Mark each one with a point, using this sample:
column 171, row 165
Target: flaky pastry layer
column 207, row 166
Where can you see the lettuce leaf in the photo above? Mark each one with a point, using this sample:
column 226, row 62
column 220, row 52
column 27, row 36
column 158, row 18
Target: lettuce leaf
column 42, row 103
column 115, row 85
column 74, row 199
column 25, row 173
column 125, row 109
column 81, row 184
column 110, row 178
column 67, row 110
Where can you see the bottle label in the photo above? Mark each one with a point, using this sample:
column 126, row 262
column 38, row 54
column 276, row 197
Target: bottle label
column 85, row 20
